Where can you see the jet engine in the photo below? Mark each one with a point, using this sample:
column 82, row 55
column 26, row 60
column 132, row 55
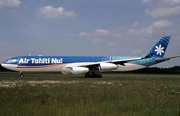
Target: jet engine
column 75, row 70
column 107, row 66
column 79, row 70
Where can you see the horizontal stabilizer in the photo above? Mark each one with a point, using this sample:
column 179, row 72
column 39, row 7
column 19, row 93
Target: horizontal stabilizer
column 163, row 59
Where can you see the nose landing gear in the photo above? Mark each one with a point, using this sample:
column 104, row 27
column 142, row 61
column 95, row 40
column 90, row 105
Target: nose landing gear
column 21, row 74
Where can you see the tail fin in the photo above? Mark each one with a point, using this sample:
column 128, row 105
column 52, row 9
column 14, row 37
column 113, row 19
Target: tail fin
column 160, row 48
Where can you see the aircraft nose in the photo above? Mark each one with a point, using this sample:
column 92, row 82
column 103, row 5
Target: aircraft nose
column 2, row 65
column 9, row 66
column 5, row 65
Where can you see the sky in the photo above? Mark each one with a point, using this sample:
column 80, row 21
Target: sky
column 88, row 27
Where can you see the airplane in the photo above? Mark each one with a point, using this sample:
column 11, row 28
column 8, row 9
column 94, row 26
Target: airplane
column 90, row 65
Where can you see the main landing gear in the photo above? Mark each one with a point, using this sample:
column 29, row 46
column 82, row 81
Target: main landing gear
column 93, row 75
column 21, row 74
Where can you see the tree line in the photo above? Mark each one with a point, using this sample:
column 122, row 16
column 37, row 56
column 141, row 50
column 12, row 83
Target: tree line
column 157, row 70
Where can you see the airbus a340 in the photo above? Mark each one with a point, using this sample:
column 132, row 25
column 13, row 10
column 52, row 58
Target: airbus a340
column 91, row 65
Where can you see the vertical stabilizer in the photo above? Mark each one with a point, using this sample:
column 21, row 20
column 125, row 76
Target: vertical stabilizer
column 160, row 48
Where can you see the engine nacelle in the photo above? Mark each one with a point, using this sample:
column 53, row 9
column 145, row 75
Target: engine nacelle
column 74, row 70
column 79, row 70
column 66, row 70
column 107, row 66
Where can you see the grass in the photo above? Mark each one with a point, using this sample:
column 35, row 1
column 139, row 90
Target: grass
column 115, row 94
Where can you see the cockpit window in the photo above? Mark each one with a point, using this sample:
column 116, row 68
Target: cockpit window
column 11, row 60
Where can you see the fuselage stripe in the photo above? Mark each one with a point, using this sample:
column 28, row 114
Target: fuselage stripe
column 37, row 66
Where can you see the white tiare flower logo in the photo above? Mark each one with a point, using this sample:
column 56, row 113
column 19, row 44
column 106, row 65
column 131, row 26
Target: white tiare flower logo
column 159, row 49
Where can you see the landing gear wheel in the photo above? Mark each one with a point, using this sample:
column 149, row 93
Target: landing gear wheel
column 99, row 75
column 21, row 75
column 94, row 75
column 87, row 75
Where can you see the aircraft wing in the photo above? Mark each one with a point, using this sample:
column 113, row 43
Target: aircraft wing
column 123, row 61
column 95, row 64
